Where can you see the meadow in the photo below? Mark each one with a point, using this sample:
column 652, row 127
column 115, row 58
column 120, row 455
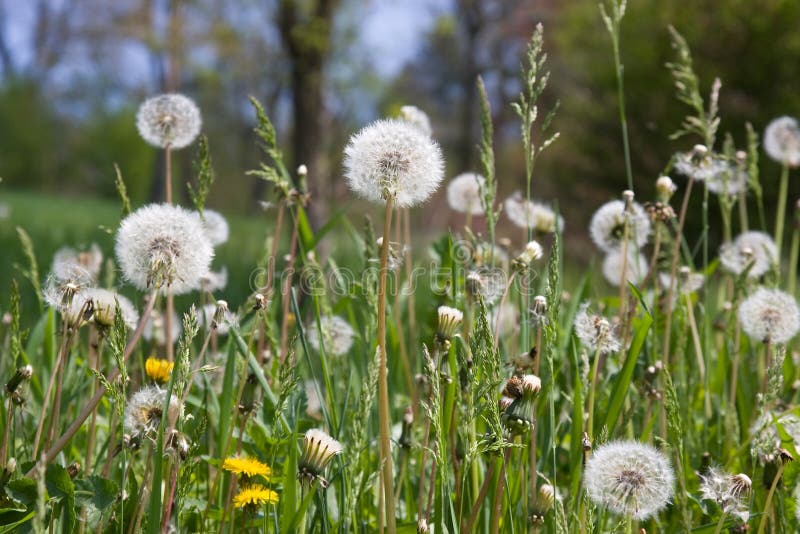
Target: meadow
column 395, row 381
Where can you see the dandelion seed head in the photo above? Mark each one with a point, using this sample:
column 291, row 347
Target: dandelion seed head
column 607, row 227
column 756, row 248
column 390, row 157
column 104, row 305
column 211, row 317
column 782, row 141
column 629, row 478
column 531, row 214
column 504, row 319
column 313, row 402
column 337, row 335
column 728, row 491
column 163, row 247
column 417, row 118
column 635, row 267
column 595, row 331
column 730, row 181
column 59, row 291
column 214, row 225
column 144, row 410
column 214, row 281
column 67, row 260
column 700, row 164
column 686, row 282
column 464, row 193
column 487, row 283
column 168, row 120
column 770, row 315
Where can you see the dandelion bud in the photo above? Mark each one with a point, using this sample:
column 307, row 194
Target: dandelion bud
column 539, row 308
column 665, row 188
column 518, row 417
column 318, row 451
column 261, row 302
column 422, row 526
column 699, row 150
column 546, row 497
column 302, row 170
column 627, row 197
column 513, row 388
column 741, row 156
column 8, row 471
column 533, row 251
column 449, row 319
column 531, row 385
column 23, row 373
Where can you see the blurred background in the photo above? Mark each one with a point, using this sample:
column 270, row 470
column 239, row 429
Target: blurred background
column 73, row 73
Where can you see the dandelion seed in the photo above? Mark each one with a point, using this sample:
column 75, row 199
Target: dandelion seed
column 318, row 451
column 464, row 193
column 163, row 247
column 158, row 369
column 595, row 332
column 531, row 214
column 67, row 260
column 248, row 467
column 214, row 317
column 629, row 478
column 392, row 158
column 144, row 410
column 337, row 334
column 607, row 227
column 728, row 491
column 155, row 328
column 753, row 250
column 700, row 164
column 104, row 305
column 255, row 496
column 770, row 315
column 636, row 267
column 168, row 120
column 782, row 141
column 59, row 291
column 214, row 225
column 417, row 118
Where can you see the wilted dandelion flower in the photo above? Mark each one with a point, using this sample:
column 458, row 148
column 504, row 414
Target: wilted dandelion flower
column 337, row 335
column 782, row 141
column 155, row 328
column 448, row 321
column 519, row 415
column 255, row 495
column 66, row 260
column 163, row 247
column 158, row 369
column 699, row 164
column 214, row 316
column 104, row 305
column 464, row 193
column 766, row 439
column 168, row 120
column 214, row 225
column 392, row 158
column 144, row 410
column 770, row 315
column 248, row 467
column 729, row 491
column 629, row 478
column 531, row 214
column 607, row 227
column 416, row 118
column 318, row 451
column 59, row 291
column 635, row 267
column 749, row 248
column 595, row 331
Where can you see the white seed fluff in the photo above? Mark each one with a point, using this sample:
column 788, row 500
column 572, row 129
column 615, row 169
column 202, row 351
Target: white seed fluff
column 770, row 315
column 635, row 267
column 728, row 491
column 144, row 410
column 390, row 157
column 532, row 214
column 168, row 120
column 215, row 226
column 417, row 118
column 104, row 304
column 208, row 315
column 155, row 328
column 629, row 478
column 464, row 193
column 757, row 248
column 607, row 227
column 337, row 335
column 731, row 181
column 782, row 141
column 701, row 166
column 163, row 247
column 66, row 259
column 595, row 332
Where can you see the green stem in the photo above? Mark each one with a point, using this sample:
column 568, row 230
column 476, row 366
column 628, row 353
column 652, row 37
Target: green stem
column 780, row 215
column 768, row 504
column 794, row 251
column 720, row 523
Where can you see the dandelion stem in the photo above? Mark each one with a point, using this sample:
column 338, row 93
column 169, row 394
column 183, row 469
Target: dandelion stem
column 720, row 523
column 780, row 214
column 768, row 503
column 592, row 388
column 499, row 312
column 383, row 382
column 794, row 250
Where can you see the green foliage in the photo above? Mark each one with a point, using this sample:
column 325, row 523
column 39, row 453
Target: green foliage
column 205, row 175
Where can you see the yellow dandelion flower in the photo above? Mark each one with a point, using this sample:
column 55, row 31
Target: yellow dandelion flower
column 255, row 495
column 157, row 369
column 246, row 466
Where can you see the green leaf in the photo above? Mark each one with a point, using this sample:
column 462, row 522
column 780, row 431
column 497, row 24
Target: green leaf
column 60, row 486
column 95, row 490
column 22, row 490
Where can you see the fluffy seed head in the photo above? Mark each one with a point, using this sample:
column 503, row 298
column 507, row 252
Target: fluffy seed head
column 699, row 164
column 66, row 260
column 766, row 439
column 782, row 141
column 487, row 283
column 607, row 228
column 756, row 248
column 214, row 280
column 595, row 332
column 337, row 335
column 214, row 225
column 145, row 408
column 635, row 267
column 730, row 180
column 416, row 118
column 686, row 281
column 770, row 315
column 524, row 214
column 629, row 478
column 216, row 317
column 392, row 158
column 163, row 247
column 60, row 290
column 730, row 492
column 168, row 120
column 464, row 193
column 104, row 305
